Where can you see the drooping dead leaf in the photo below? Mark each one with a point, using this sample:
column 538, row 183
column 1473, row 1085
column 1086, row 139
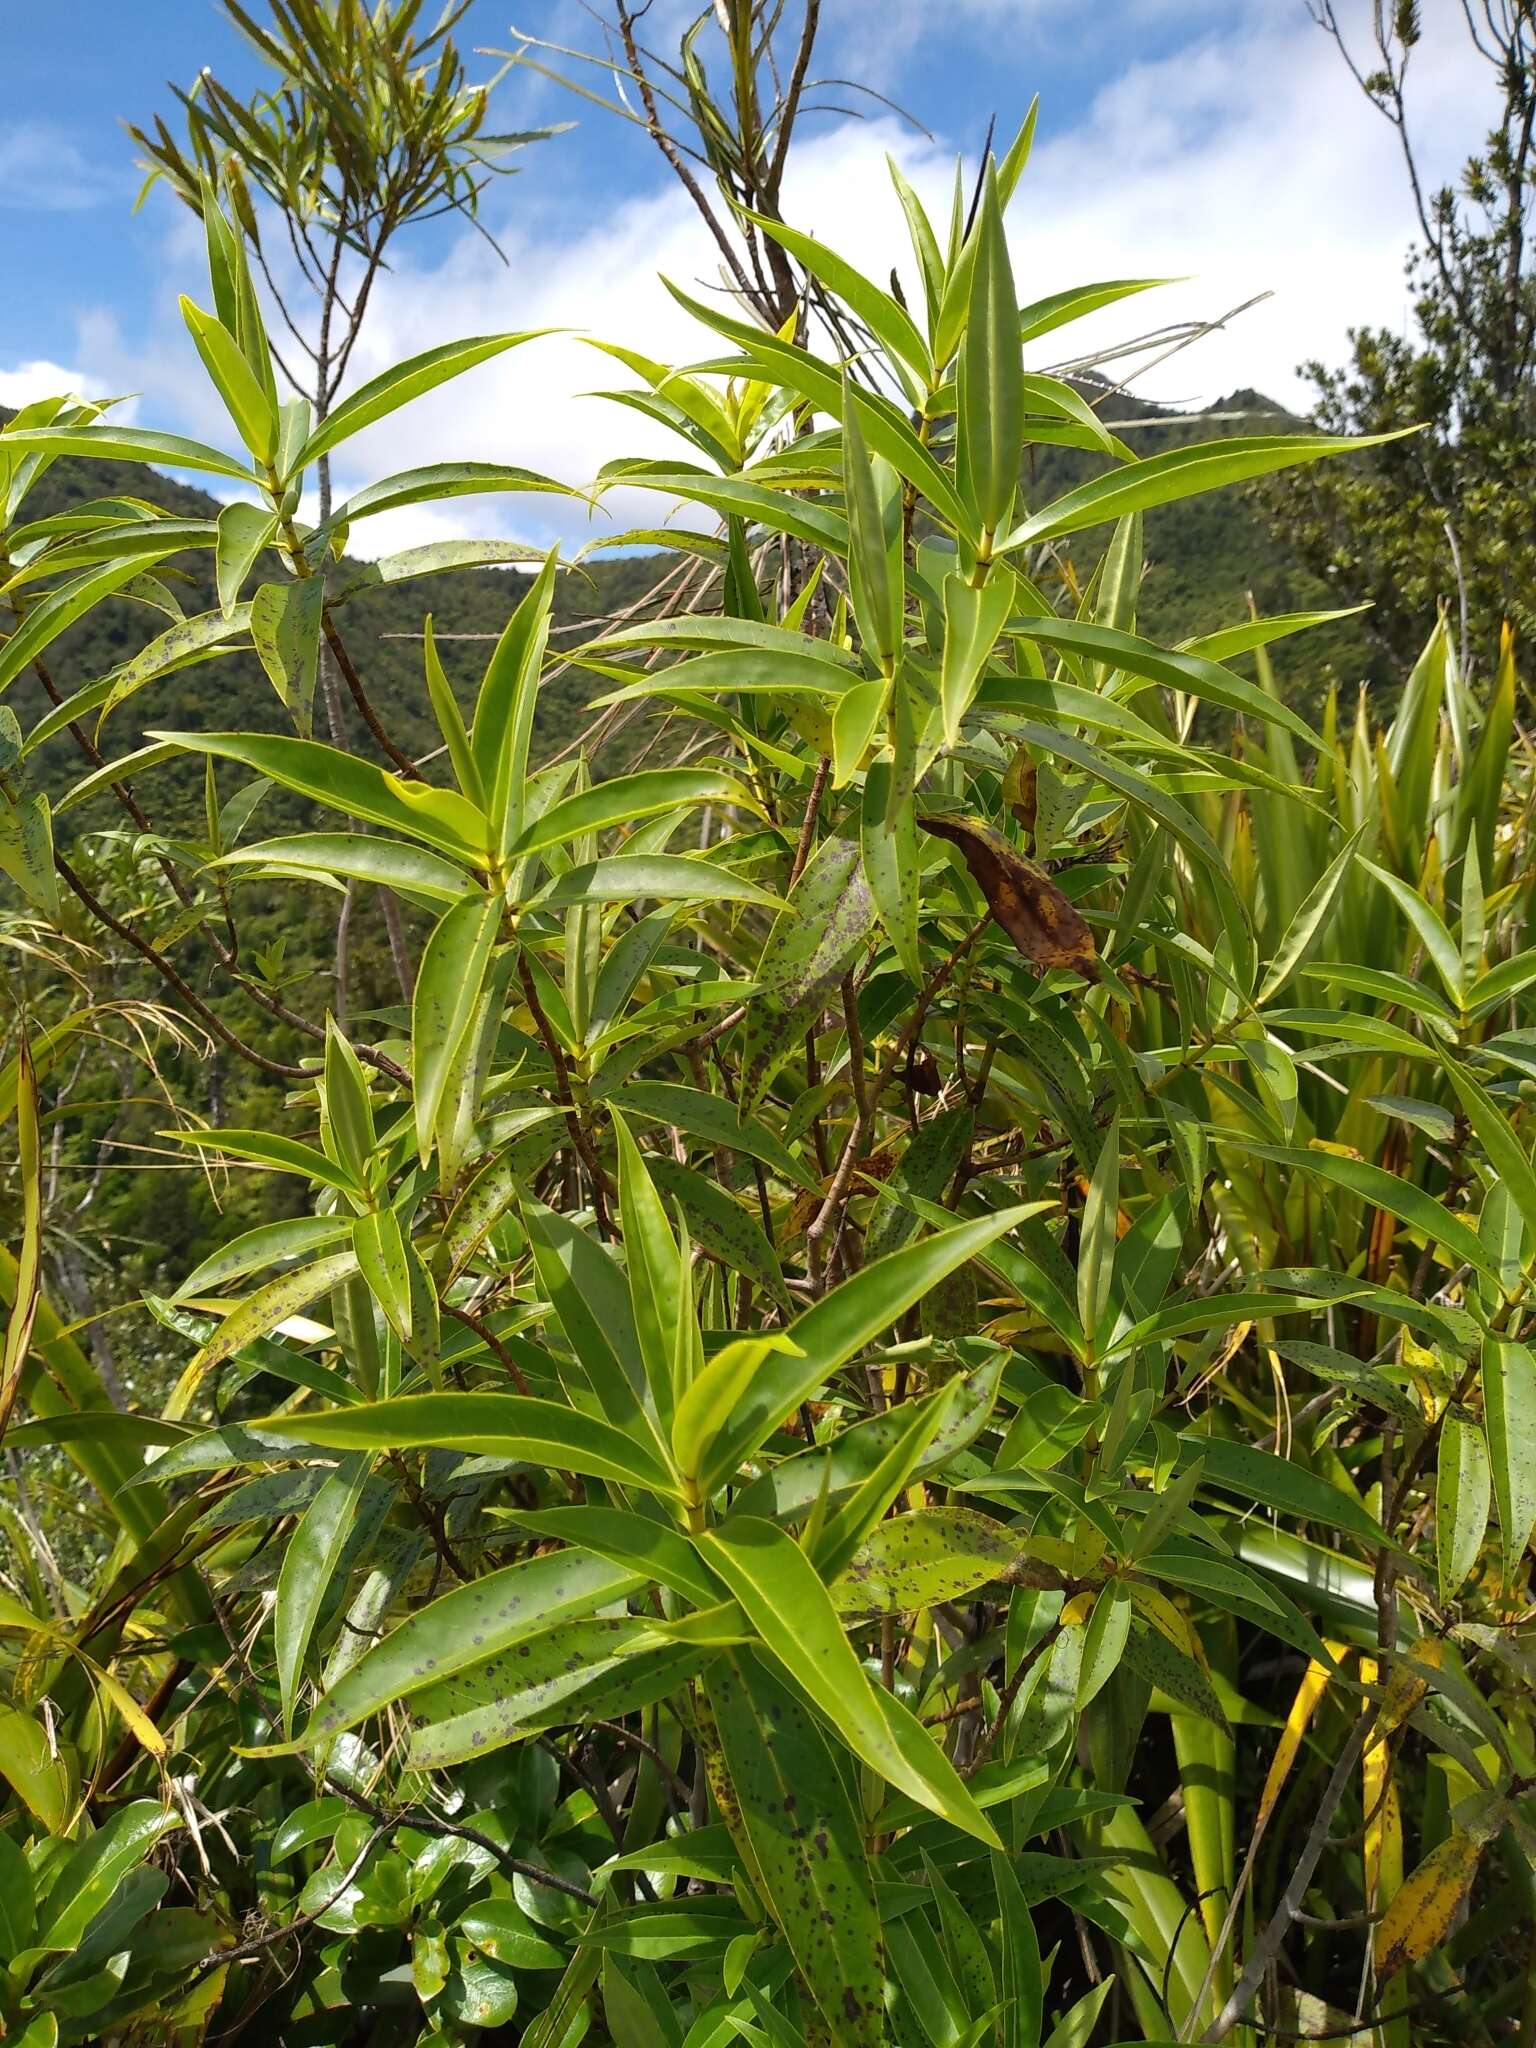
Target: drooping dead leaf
column 1023, row 899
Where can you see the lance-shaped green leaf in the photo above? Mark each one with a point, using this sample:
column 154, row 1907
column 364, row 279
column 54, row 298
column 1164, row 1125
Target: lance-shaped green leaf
column 844, row 1321
column 1182, row 473
column 463, row 1627
column 806, row 1842
column 1162, row 1663
column 1497, row 1136
column 625, row 800
column 1509, row 1411
column 26, row 851
column 503, row 722
column 310, row 1560
column 1389, row 1191
column 579, row 1683
column 285, row 630
column 270, row 1148
column 713, row 1122
column 384, row 1264
column 243, row 532
column 914, row 1560
column 1276, row 1482
column 128, row 444
column 872, row 497
column 813, row 941
column 245, row 397
column 87, row 1875
column 443, row 480
column 973, row 618
column 786, row 1602
column 989, row 378
column 329, row 856
column 1060, row 308
column 924, row 1171
column 258, row 1314
column 708, row 1404
column 722, row 1226
column 590, row 1296
column 892, row 868
column 1192, row 673
column 448, row 985
column 886, row 428
column 653, row 1548
column 49, row 617
column 342, row 782
column 1104, row 1642
column 1463, row 1496
column 655, row 1271
column 1311, row 918
column 1437, row 942
column 520, row 1426
column 889, row 321
column 1096, row 1251
column 269, row 1244
column 736, row 497
column 398, row 385
column 661, row 877
column 188, row 641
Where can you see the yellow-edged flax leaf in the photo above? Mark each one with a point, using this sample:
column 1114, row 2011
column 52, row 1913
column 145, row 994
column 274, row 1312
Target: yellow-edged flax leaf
column 806, row 1842
column 785, row 1601
column 1047, row 929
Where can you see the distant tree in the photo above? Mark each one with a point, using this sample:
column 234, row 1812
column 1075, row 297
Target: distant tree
column 1445, row 515
column 370, row 127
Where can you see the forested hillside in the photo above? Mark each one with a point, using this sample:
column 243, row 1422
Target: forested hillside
column 1206, row 557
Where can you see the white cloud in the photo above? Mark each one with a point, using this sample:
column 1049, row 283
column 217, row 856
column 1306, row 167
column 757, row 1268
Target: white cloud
column 24, row 382
column 1241, row 157
column 1248, row 161
column 44, row 170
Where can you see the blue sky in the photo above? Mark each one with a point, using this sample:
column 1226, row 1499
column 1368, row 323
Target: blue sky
column 77, row 69
column 1215, row 140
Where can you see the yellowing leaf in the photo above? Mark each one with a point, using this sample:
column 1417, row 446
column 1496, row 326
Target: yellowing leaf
column 1420, row 1917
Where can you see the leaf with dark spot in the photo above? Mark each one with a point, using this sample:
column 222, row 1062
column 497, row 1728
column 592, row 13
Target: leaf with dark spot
column 828, row 917
column 1023, row 899
column 806, row 1841
column 912, row 1560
